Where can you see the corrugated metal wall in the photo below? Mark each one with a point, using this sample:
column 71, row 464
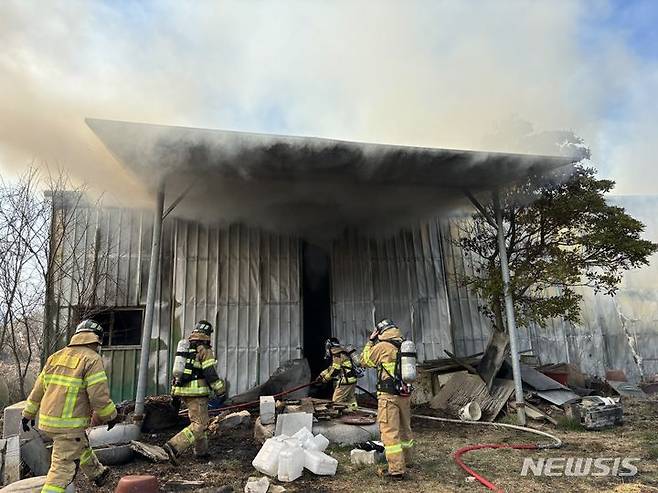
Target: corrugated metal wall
column 246, row 282
column 242, row 279
column 119, row 242
column 401, row 278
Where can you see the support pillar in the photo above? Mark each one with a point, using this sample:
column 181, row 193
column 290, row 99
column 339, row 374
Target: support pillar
column 509, row 312
column 142, row 379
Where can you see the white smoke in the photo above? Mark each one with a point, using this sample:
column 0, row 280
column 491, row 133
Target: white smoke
column 447, row 74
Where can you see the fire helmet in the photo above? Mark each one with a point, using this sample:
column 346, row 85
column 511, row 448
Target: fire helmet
column 329, row 344
column 87, row 332
column 384, row 325
column 204, row 327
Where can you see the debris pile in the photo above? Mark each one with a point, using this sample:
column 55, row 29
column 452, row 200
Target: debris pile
column 551, row 392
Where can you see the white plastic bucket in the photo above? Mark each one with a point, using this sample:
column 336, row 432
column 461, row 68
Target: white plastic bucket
column 470, row 412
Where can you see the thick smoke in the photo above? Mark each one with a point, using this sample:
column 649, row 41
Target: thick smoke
column 308, row 186
column 438, row 74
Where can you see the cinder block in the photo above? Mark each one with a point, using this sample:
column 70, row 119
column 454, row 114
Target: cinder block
column 12, row 421
column 11, row 460
column 267, row 409
column 35, row 454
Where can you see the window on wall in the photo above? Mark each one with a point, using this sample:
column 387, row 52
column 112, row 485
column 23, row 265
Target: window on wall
column 121, row 326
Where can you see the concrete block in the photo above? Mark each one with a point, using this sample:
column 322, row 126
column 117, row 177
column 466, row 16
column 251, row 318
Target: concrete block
column 344, row 434
column 11, row 421
column 257, row 485
column 360, row 457
column 235, row 420
column 267, row 409
column 291, row 423
column 11, row 460
column 35, row 454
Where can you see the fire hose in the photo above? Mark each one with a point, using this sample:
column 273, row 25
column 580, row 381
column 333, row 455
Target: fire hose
column 247, row 405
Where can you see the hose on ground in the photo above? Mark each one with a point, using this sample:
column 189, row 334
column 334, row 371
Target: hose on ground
column 248, row 405
column 457, row 456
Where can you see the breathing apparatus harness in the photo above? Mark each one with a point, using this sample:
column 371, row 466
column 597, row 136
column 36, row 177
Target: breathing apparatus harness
column 355, row 371
column 397, row 384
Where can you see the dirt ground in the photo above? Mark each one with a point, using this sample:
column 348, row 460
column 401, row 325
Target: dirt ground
column 435, row 470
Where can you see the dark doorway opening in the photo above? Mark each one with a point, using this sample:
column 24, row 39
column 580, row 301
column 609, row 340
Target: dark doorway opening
column 316, row 288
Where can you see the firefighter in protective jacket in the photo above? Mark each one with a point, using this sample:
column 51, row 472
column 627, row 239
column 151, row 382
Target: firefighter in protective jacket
column 393, row 406
column 342, row 370
column 199, row 378
column 71, row 386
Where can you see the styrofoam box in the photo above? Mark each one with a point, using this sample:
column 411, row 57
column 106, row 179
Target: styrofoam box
column 320, row 463
column 291, row 464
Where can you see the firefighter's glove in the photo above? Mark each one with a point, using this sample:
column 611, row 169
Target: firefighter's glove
column 112, row 422
column 374, row 335
column 27, row 423
column 318, row 380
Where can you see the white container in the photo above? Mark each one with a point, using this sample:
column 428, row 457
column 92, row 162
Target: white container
column 320, row 463
column 470, row 412
column 319, row 442
column 267, row 409
column 291, row 464
column 267, row 459
column 303, row 436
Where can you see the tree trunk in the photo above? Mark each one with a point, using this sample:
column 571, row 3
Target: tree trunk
column 496, row 351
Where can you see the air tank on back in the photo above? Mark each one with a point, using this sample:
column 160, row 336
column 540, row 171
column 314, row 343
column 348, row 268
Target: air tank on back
column 408, row 361
column 179, row 361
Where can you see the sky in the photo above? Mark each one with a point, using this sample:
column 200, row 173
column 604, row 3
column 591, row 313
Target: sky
column 456, row 74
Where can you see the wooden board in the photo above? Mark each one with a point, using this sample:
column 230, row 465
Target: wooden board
column 464, row 388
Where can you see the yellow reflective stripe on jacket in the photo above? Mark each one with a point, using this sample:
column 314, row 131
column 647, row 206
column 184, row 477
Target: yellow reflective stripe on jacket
column 336, row 366
column 390, row 368
column 70, row 402
column 31, row 407
column 96, row 378
column 54, row 422
column 393, row 449
column 366, row 356
column 107, row 410
column 208, row 363
column 63, row 380
column 51, row 488
column 192, row 388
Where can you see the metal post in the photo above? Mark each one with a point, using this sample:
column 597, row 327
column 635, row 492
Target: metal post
column 150, row 306
column 509, row 312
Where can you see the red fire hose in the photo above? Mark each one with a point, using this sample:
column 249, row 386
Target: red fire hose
column 458, row 459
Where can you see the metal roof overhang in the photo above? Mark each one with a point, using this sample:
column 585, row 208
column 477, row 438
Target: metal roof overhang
column 320, row 182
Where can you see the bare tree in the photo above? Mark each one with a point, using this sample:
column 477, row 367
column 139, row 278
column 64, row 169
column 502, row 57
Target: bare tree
column 48, row 243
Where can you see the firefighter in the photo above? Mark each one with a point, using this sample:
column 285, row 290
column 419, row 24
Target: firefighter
column 342, row 371
column 200, row 376
column 71, row 386
column 393, row 406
